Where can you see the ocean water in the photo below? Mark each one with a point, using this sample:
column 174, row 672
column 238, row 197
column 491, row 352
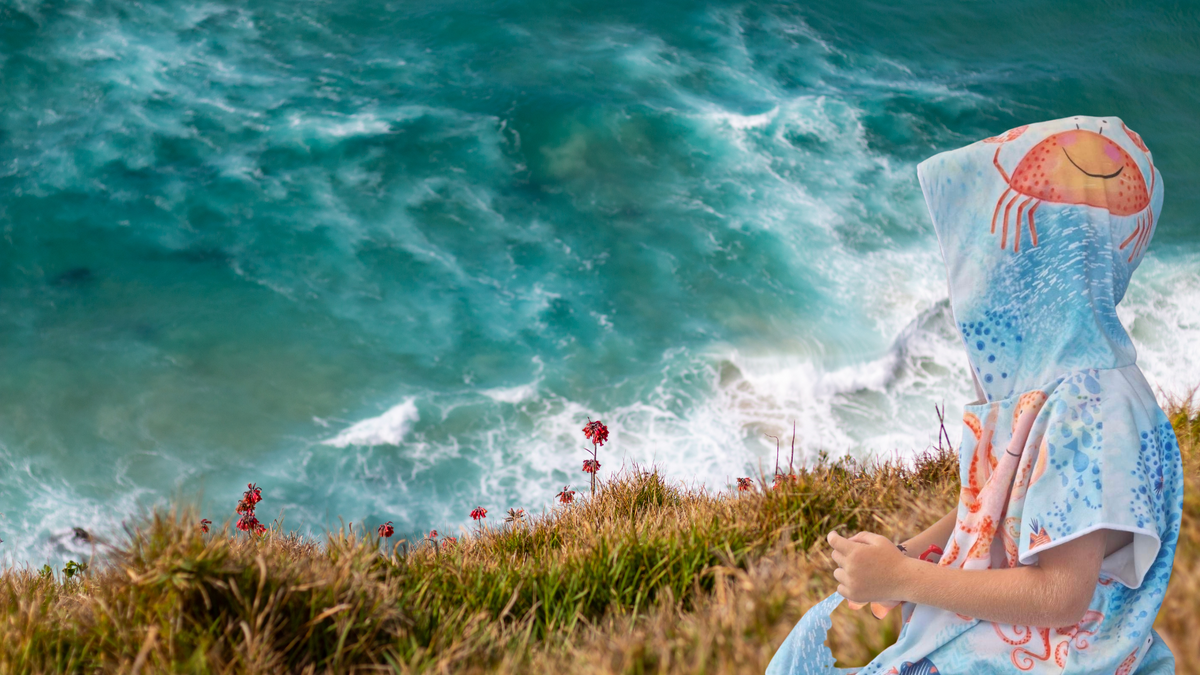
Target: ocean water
column 386, row 258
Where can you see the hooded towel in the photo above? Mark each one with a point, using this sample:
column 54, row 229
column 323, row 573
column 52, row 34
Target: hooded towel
column 1040, row 229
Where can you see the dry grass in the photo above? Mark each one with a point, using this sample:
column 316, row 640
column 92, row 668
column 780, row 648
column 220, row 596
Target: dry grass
column 647, row 577
column 1179, row 619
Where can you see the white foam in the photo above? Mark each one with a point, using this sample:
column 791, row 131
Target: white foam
column 743, row 122
column 1161, row 312
column 41, row 530
column 511, row 394
column 715, row 429
column 361, row 124
column 389, row 428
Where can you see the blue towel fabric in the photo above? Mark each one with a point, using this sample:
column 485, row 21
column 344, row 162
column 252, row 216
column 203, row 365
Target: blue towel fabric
column 1040, row 229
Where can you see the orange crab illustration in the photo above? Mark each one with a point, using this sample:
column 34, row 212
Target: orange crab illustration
column 1074, row 167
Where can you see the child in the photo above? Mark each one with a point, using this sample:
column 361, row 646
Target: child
column 1058, row 554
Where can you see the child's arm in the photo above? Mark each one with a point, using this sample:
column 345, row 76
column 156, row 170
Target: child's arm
column 1053, row 593
column 937, row 534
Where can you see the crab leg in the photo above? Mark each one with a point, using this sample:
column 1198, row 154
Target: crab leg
column 1135, row 232
column 997, row 211
column 1149, row 226
column 996, row 161
column 1004, row 232
column 1017, row 222
column 1137, row 243
column 1141, row 242
column 1032, row 229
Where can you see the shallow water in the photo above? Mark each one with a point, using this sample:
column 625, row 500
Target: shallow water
column 385, row 259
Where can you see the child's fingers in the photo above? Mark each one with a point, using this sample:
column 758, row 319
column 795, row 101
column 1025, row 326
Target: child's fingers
column 840, row 543
column 870, row 538
column 880, row 609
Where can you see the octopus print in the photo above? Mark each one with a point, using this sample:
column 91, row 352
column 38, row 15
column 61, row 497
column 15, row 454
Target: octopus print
column 1079, row 167
column 982, row 461
column 1056, row 646
column 1028, row 474
column 1029, row 402
column 983, row 499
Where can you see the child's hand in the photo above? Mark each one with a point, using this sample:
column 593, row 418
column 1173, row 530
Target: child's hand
column 869, row 567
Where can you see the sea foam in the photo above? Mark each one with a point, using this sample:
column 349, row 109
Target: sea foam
column 390, row 428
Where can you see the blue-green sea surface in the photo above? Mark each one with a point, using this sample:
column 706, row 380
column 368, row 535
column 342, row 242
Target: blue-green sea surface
column 384, row 259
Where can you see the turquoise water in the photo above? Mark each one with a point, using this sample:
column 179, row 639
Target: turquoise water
column 385, row 259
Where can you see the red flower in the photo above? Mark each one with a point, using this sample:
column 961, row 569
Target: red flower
column 432, row 534
column 745, row 484
column 250, row 497
column 248, row 523
column 450, row 541
column 204, row 523
column 479, row 513
column 591, row 466
column 566, row 496
column 595, row 431
column 386, row 530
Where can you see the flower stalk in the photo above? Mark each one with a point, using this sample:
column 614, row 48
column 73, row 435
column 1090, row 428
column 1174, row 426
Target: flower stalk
column 597, row 433
column 478, row 514
column 248, row 522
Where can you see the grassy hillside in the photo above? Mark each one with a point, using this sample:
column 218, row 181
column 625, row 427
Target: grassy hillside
column 646, row 577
